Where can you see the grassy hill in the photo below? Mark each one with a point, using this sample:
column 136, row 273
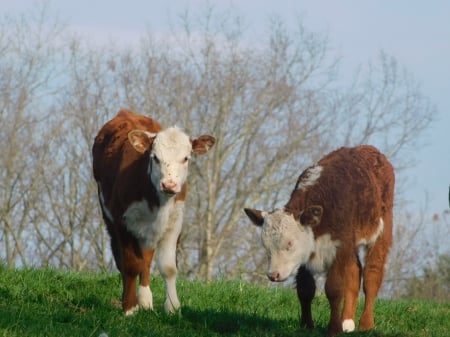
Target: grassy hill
column 49, row 303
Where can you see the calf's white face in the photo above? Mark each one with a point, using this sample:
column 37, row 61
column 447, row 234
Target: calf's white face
column 288, row 242
column 170, row 155
column 170, row 152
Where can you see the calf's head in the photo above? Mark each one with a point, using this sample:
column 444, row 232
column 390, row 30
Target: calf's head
column 289, row 242
column 170, row 151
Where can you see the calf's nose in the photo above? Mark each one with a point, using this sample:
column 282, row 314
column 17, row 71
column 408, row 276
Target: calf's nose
column 169, row 186
column 274, row 276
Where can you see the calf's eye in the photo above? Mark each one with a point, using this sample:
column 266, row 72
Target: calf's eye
column 155, row 158
column 289, row 245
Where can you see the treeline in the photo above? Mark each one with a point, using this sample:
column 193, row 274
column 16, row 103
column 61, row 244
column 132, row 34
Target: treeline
column 274, row 104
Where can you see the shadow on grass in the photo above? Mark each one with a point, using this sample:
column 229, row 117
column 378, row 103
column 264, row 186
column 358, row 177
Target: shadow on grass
column 232, row 323
column 193, row 322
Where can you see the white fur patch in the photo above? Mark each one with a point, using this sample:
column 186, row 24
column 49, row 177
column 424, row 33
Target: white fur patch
column 348, row 325
column 145, row 297
column 148, row 226
column 105, row 209
column 172, row 139
column 131, row 311
column 166, row 256
column 171, row 146
column 323, row 254
column 371, row 240
column 311, row 177
column 288, row 244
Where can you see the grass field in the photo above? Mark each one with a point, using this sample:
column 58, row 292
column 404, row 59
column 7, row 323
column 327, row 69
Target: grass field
column 48, row 303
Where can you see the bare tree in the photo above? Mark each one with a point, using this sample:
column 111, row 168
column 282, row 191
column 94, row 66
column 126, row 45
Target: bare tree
column 28, row 68
column 79, row 240
column 274, row 104
column 256, row 102
column 275, row 109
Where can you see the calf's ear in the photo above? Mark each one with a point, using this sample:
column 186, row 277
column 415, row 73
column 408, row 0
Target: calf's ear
column 202, row 144
column 257, row 217
column 311, row 216
column 141, row 140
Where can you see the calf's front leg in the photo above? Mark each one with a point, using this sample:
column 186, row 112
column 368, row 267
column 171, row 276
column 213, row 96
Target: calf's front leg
column 334, row 290
column 166, row 261
column 145, row 296
column 166, row 257
column 306, row 289
column 342, row 284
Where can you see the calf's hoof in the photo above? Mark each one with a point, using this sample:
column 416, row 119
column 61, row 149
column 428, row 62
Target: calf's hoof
column 131, row 311
column 334, row 329
column 307, row 324
column 171, row 306
column 366, row 322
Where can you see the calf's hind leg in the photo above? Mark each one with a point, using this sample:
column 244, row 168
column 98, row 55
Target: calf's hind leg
column 373, row 273
column 130, row 268
column 352, row 272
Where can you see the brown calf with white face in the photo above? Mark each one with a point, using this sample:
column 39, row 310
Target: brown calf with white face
column 343, row 202
column 141, row 171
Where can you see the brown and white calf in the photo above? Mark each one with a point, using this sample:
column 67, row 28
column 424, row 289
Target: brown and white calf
column 343, row 202
column 141, row 171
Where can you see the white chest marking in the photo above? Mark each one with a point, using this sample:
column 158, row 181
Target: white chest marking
column 324, row 253
column 148, row 226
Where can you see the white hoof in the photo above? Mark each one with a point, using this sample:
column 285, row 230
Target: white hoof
column 131, row 311
column 171, row 305
column 348, row 325
column 145, row 298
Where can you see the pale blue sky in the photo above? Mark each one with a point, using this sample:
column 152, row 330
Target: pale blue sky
column 415, row 32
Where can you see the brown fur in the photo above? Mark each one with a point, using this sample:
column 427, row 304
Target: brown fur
column 355, row 190
column 343, row 202
column 117, row 167
column 121, row 173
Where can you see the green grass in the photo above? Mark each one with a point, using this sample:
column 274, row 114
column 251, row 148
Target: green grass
column 47, row 302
